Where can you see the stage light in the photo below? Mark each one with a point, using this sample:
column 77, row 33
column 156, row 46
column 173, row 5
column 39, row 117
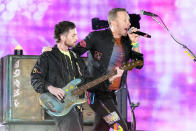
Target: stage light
column 18, row 50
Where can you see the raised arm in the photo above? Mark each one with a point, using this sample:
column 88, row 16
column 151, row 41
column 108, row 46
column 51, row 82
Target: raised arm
column 84, row 45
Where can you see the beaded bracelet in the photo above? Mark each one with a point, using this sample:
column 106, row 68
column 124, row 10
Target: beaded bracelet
column 135, row 45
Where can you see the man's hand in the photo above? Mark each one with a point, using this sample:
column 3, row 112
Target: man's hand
column 46, row 48
column 134, row 38
column 58, row 92
column 119, row 74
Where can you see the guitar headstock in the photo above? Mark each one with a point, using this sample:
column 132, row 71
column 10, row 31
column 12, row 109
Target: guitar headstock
column 132, row 64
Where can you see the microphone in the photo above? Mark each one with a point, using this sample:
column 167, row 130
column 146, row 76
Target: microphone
column 148, row 13
column 140, row 33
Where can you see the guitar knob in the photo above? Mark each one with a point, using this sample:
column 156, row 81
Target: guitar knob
column 50, row 106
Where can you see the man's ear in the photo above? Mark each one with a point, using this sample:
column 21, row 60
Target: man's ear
column 62, row 37
column 114, row 22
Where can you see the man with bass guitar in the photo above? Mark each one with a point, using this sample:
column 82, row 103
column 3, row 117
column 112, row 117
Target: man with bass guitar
column 55, row 69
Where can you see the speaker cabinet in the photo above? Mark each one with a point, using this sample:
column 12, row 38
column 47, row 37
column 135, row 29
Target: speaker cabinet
column 19, row 101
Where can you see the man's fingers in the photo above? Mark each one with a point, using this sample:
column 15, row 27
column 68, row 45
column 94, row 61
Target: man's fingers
column 119, row 72
column 59, row 98
column 46, row 48
column 133, row 29
column 61, row 95
column 58, row 92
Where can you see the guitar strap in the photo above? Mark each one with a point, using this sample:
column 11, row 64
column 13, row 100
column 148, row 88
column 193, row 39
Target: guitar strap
column 74, row 54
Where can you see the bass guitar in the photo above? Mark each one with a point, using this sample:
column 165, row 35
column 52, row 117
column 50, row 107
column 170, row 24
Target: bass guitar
column 55, row 107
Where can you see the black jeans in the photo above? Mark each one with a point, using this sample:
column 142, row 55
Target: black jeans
column 70, row 122
column 103, row 107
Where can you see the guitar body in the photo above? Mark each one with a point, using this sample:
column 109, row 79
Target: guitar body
column 54, row 107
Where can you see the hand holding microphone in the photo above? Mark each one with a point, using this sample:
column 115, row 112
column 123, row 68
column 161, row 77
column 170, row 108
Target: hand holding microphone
column 139, row 33
column 132, row 35
column 134, row 39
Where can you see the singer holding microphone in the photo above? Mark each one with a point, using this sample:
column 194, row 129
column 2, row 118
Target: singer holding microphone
column 108, row 50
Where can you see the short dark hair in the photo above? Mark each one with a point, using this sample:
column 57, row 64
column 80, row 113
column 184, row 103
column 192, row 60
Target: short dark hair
column 62, row 27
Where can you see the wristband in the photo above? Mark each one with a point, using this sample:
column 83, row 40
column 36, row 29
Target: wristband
column 135, row 45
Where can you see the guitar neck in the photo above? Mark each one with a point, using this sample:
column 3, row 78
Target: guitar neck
column 128, row 66
column 98, row 80
column 93, row 83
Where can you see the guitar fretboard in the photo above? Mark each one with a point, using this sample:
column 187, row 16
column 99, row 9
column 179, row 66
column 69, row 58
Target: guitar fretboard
column 128, row 66
column 93, row 83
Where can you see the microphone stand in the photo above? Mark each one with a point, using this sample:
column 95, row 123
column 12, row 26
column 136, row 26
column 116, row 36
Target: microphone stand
column 184, row 46
column 132, row 125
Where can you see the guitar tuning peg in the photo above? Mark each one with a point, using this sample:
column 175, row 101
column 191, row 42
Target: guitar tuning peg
column 188, row 54
column 185, row 51
column 192, row 57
